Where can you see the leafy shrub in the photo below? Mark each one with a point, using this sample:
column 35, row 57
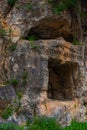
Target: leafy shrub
column 62, row 5
column 10, row 127
column 29, row 6
column 49, row 1
column 3, row 32
column 12, row 47
column 19, row 95
column 76, row 126
column 14, row 82
column 8, row 112
column 75, row 41
column 18, row 107
column 11, row 2
column 24, row 77
column 32, row 38
column 44, row 123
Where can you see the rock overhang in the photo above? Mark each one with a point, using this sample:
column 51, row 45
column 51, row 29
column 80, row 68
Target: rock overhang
column 57, row 49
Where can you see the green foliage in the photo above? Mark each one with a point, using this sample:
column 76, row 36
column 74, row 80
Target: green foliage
column 24, row 77
column 62, row 5
column 75, row 41
column 34, row 47
column 2, row 32
column 12, row 47
column 44, row 123
column 29, row 6
column 11, row 2
column 19, row 95
column 83, row 14
column 8, row 112
column 10, row 127
column 32, row 38
column 76, row 126
column 14, row 82
column 49, row 1
column 24, row 82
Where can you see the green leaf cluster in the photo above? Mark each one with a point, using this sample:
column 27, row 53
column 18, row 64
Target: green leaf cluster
column 44, row 123
column 14, row 81
column 12, row 47
column 76, row 126
column 8, row 112
column 62, row 5
column 11, row 2
column 10, row 126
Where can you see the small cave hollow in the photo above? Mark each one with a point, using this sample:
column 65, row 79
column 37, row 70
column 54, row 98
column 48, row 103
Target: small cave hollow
column 50, row 29
column 63, row 80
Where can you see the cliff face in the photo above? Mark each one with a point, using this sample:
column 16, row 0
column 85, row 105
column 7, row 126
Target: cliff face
column 40, row 67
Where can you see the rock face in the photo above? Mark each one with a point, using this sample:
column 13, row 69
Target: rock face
column 49, row 71
column 7, row 92
column 51, row 74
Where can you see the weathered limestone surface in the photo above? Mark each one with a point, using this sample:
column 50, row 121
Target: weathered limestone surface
column 20, row 20
column 49, row 62
column 7, row 92
column 50, row 72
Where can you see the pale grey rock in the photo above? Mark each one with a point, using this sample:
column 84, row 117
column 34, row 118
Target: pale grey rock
column 8, row 93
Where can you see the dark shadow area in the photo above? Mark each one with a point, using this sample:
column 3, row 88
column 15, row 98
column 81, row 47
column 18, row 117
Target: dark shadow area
column 63, row 80
column 51, row 29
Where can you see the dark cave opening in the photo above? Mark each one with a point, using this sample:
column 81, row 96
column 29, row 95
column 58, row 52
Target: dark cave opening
column 63, row 80
column 50, row 29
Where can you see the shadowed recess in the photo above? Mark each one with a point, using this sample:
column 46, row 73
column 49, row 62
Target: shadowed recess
column 63, row 80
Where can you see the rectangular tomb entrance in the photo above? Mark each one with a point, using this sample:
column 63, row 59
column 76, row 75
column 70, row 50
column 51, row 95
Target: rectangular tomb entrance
column 63, row 80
